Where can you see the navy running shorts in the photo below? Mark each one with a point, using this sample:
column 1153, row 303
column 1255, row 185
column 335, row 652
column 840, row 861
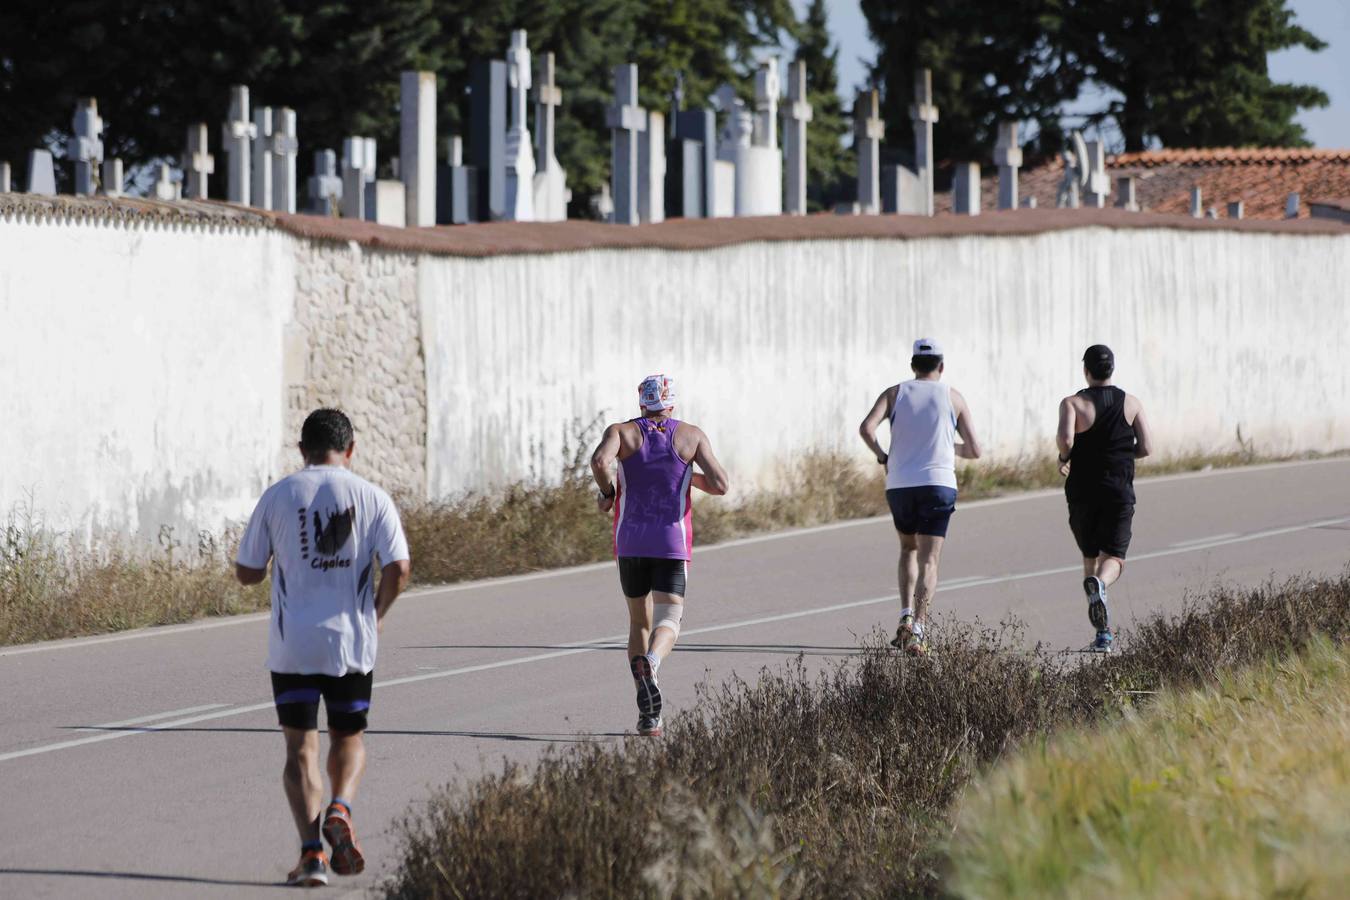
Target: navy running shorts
column 922, row 510
column 1102, row 527
column 347, row 700
column 640, row 575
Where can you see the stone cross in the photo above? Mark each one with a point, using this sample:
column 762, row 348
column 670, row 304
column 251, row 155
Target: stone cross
column 550, row 181
column 924, row 114
column 41, row 173
column 519, row 155
column 1125, row 193
column 868, row 130
column 676, row 103
column 626, row 121
column 1067, row 193
column 602, row 204
column 236, row 136
column 325, row 185
column 165, row 187
column 284, row 149
column 797, row 114
column 417, row 147
column 110, row 178
column 4, row 178
column 1098, row 182
column 1197, row 203
column 767, row 90
column 198, row 163
column 1291, row 206
column 652, row 169
column 261, row 177
column 86, row 146
column 1235, row 209
column 358, row 170
column 1008, row 158
column 966, row 189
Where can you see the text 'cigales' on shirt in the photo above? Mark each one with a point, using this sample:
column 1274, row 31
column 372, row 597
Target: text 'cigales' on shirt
column 323, row 528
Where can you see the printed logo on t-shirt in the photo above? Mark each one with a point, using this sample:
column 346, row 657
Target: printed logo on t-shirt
column 330, row 537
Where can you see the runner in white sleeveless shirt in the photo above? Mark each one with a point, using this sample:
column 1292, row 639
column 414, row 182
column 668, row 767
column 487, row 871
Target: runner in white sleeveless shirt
column 925, row 417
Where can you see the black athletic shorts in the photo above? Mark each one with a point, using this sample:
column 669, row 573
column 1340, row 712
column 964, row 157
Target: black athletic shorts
column 922, row 510
column 347, row 700
column 1101, row 527
column 640, row 575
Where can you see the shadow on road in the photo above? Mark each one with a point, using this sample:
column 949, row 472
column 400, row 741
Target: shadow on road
column 480, row 735
column 140, row 876
column 787, row 649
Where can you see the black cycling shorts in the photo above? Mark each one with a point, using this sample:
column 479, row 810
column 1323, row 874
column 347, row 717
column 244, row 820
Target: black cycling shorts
column 1102, row 527
column 640, row 575
column 925, row 510
column 347, row 700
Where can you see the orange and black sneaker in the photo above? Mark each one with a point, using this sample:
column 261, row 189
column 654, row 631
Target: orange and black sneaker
column 337, row 830
column 312, row 870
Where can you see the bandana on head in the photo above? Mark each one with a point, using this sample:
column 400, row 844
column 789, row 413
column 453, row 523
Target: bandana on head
column 657, row 392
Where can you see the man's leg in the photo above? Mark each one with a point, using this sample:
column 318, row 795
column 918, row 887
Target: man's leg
column 639, row 625
column 346, row 763
column 928, row 553
column 1107, row 567
column 303, row 781
column 909, row 568
column 666, row 631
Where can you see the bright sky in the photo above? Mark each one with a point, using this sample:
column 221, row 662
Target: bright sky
column 1329, row 69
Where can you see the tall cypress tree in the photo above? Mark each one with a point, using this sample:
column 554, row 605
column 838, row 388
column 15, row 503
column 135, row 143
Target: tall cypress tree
column 829, row 166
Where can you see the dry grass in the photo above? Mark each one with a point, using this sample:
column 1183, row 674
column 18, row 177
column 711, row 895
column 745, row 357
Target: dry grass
column 838, row 785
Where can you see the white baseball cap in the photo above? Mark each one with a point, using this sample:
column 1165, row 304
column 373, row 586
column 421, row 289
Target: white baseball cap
column 927, row 347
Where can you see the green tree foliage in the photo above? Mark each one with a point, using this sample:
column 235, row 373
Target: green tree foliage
column 829, row 167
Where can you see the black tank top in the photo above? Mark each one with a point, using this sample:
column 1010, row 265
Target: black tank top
column 1103, row 456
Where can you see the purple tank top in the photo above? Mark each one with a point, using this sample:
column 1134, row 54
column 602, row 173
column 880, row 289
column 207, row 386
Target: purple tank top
column 652, row 514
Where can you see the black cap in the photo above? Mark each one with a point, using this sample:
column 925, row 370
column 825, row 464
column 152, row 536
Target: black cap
column 1100, row 361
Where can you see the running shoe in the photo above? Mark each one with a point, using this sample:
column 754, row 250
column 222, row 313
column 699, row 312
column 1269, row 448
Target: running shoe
column 311, row 872
column 648, row 692
column 904, row 634
column 337, row 830
column 1103, row 642
column 649, row 726
column 1096, row 594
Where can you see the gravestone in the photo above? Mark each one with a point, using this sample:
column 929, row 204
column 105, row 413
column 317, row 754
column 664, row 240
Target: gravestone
column 325, row 185
column 261, row 185
column 520, row 166
column 1008, row 158
column 797, row 113
column 236, row 136
column 417, row 146
column 198, row 164
column 487, row 136
column 1291, row 206
column 85, row 146
column 41, row 173
column 1197, row 203
column 767, row 90
column 110, row 178
column 924, row 114
column 550, row 181
column 759, row 163
column 1125, row 198
column 1029, row 202
column 736, row 130
column 695, row 158
column 626, row 121
column 285, row 148
column 358, row 172
column 966, row 189
column 165, row 187
column 1098, row 182
column 652, row 169
column 456, row 187
column 868, row 130
column 1067, row 194
column 386, row 202
column 901, row 191
column 1235, row 209
column 602, row 204
column 4, row 178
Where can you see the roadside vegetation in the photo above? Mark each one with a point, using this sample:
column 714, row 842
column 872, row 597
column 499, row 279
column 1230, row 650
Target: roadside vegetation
column 53, row 585
column 844, row 784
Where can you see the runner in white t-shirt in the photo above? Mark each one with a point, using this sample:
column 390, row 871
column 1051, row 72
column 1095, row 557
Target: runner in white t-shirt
column 323, row 529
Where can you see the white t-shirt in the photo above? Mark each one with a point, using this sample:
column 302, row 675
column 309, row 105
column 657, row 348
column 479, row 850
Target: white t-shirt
column 322, row 528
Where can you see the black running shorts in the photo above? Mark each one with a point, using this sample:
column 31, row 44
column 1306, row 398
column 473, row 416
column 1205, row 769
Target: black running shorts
column 923, row 510
column 347, row 700
column 640, row 575
column 1101, row 527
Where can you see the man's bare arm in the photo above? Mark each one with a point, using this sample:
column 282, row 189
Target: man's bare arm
column 248, row 576
column 713, row 478
column 602, row 460
column 869, row 426
column 969, row 448
column 1143, row 438
column 1068, row 423
column 393, row 579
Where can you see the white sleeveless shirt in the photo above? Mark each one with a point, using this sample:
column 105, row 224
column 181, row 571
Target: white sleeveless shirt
column 923, row 436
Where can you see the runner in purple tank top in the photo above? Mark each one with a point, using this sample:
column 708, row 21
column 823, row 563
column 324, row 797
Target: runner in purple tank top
column 657, row 457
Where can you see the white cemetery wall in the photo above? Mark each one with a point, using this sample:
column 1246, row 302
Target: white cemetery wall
column 516, row 364
column 145, row 379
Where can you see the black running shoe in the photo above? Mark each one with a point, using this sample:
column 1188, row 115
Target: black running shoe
column 649, row 726
column 1096, row 595
column 648, row 693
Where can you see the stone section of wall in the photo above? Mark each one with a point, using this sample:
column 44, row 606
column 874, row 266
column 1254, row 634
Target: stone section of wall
column 780, row 348
column 354, row 342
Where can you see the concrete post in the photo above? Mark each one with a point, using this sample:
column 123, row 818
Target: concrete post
column 1008, row 158
column 797, row 114
column 966, row 189
column 417, row 147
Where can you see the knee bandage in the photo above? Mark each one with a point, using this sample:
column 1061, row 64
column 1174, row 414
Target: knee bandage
column 667, row 615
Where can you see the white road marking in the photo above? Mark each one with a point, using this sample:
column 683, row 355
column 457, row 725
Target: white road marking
column 161, row 630
column 603, row 643
column 1205, row 540
column 154, row 718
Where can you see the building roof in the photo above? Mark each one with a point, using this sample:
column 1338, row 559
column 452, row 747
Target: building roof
column 1262, row 178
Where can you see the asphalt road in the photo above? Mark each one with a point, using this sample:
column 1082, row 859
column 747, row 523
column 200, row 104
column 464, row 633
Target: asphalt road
column 149, row 763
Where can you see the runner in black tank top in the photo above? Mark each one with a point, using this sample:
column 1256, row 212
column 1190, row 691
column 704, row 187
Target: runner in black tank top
column 1101, row 433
